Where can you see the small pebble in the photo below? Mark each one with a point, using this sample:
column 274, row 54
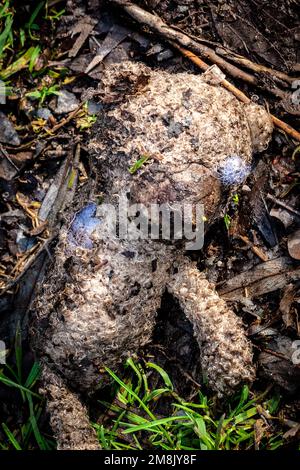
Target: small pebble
column 43, row 113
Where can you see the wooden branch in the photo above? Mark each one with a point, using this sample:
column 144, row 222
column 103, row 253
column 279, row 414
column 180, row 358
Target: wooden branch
column 259, row 68
column 156, row 24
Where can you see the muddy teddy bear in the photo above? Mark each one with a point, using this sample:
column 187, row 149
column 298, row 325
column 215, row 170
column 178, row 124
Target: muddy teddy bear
column 165, row 139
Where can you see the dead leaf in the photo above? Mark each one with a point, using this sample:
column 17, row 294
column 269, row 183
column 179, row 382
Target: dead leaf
column 84, row 26
column 116, row 35
column 293, row 432
column 276, row 363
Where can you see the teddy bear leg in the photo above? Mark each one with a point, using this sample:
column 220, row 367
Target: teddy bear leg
column 68, row 416
column 226, row 355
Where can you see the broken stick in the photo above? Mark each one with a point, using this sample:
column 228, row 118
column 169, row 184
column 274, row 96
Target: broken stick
column 155, row 23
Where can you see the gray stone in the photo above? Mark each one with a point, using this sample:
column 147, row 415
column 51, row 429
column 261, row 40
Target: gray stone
column 66, row 102
column 43, row 113
column 8, row 134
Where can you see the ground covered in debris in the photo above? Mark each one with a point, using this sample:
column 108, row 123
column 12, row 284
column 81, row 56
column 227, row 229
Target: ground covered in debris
column 52, row 57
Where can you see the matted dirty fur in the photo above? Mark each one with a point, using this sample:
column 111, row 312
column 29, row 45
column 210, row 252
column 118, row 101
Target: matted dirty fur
column 97, row 305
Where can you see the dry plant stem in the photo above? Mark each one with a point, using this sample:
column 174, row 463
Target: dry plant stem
column 6, row 155
column 65, row 121
column 156, row 24
column 282, row 204
column 239, row 94
column 286, row 128
column 203, row 66
column 241, row 60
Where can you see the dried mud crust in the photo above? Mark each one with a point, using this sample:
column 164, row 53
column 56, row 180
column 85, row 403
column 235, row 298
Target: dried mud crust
column 98, row 305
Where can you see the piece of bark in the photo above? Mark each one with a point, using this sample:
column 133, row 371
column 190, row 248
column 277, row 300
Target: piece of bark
column 263, row 278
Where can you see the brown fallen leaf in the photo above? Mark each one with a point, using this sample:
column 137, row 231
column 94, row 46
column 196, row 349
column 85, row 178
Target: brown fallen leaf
column 84, row 26
column 293, row 432
column 277, row 363
column 116, row 35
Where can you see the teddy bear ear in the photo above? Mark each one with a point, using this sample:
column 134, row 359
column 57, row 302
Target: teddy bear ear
column 261, row 126
column 121, row 80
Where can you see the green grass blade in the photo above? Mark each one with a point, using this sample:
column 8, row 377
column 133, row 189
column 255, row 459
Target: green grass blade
column 19, row 353
column 11, row 437
column 30, row 25
column 39, row 438
column 33, row 375
column 5, row 33
column 154, row 423
column 244, row 416
column 6, row 381
column 130, row 391
column 162, row 373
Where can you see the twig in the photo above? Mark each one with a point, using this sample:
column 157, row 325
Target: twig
column 155, row 23
column 4, row 152
column 282, row 204
column 276, row 354
column 203, row 66
column 259, row 68
column 65, row 121
column 28, row 264
column 254, row 248
column 286, row 128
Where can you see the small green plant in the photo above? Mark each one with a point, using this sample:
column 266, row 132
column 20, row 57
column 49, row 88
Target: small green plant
column 138, row 164
column 135, row 423
column 85, row 122
column 43, row 93
column 26, row 434
column 52, row 14
column 235, row 199
column 227, row 221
